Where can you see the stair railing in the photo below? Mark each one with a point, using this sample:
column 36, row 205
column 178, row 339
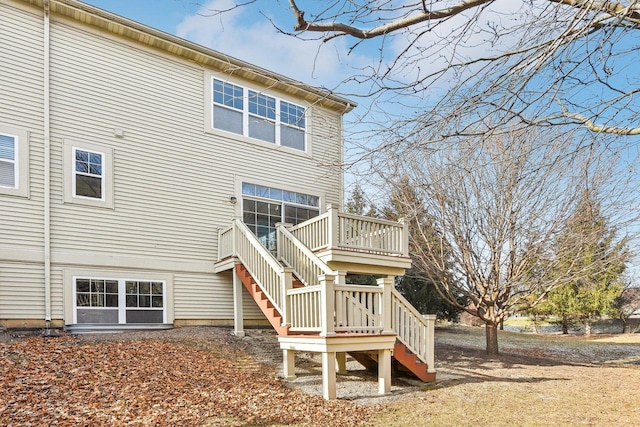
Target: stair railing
column 414, row 330
column 268, row 273
column 293, row 253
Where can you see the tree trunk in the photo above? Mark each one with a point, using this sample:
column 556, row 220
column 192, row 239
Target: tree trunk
column 587, row 325
column 565, row 325
column 492, row 339
column 535, row 324
column 625, row 329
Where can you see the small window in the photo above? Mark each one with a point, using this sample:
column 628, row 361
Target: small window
column 8, row 167
column 88, row 174
column 14, row 162
column 88, row 180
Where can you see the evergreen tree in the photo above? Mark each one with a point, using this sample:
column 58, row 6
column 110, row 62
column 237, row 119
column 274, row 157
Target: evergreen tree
column 589, row 245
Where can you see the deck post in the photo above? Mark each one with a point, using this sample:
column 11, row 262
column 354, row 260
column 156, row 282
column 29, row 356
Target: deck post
column 430, row 338
column 289, row 364
column 287, row 285
column 329, row 375
column 386, row 283
column 405, row 237
column 327, row 305
column 384, row 371
column 333, row 235
column 341, row 358
column 238, row 314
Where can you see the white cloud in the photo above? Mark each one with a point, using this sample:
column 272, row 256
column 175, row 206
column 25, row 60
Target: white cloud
column 247, row 35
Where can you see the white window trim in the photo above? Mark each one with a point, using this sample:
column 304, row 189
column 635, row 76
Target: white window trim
column 70, row 276
column 208, row 80
column 21, row 162
column 69, row 147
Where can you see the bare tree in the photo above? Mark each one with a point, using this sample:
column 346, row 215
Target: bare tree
column 497, row 204
column 541, row 62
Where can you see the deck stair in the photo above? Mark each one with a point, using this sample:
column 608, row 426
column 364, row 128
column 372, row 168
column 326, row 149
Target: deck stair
column 306, row 299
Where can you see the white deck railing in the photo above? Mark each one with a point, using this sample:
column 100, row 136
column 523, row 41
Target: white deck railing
column 272, row 278
column 306, row 309
column 338, row 230
column 225, row 243
column 358, row 308
column 413, row 329
column 293, row 253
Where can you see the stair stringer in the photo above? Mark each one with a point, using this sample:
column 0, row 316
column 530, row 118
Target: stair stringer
column 401, row 355
column 271, row 313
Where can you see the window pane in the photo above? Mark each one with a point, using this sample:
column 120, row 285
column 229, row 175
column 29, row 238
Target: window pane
column 132, row 300
column 156, row 301
column 144, row 301
column 262, row 105
column 145, row 288
column 227, row 94
column 95, row 158
column 7, row 174
column 7, row 147
column 156, row 288
column 82, row 300
column 82, row 285
column 131, row 287
column 82, row 156
column 88, row 186
column 292, row 138
column 249, row 189
column 262, row 191
column 292, row 114
column 226, row 119
column 112, row 301
column 112, row 286
column 262, row 129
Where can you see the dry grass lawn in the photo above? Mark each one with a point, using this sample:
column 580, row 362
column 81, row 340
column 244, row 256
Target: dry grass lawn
column 537, row 381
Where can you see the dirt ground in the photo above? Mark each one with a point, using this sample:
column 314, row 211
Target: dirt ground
column 206, row 376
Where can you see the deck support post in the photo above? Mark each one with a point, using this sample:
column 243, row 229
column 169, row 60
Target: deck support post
column 341, row 358
column 289, row 364
column 238, row 314
column 384, row 371
column 386, row 283
column 327, row 305
column 329, row 375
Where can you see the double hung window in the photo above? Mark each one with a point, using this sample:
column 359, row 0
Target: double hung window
column 8, row 157
column 14, row 162
column 258, row 115
column 88, row 174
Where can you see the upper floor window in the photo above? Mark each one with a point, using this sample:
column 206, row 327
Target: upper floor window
column 88, row 178
column 8, row 167
column 88, row 174
column 257, row 115
column 14, row 162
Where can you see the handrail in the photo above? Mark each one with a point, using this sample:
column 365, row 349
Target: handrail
column 339, row 230
column 314, row 232
column 413, row 329
column 267, row 272
column 295, row 254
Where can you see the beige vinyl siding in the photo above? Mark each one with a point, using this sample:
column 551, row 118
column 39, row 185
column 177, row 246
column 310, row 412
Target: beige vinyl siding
column 209, row 297
column 172, row 181
column 21, row 291
column 21, row 93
